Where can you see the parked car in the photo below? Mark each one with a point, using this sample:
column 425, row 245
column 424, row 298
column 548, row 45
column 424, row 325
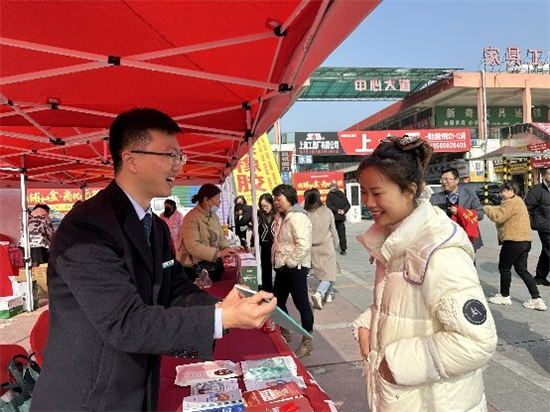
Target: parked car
column 493, row 194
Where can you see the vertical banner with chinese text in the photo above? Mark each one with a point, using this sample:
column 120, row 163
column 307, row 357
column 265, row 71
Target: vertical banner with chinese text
column 265, row 167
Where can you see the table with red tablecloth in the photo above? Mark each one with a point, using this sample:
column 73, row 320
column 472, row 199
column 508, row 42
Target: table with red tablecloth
column 236, row 346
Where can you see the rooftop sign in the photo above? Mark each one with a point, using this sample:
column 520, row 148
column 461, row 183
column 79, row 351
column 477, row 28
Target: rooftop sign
column 532, row 60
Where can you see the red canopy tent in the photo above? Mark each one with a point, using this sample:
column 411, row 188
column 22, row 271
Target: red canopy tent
column 225, row 70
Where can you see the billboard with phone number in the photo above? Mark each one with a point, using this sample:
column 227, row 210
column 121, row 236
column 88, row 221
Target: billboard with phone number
column 364, row 142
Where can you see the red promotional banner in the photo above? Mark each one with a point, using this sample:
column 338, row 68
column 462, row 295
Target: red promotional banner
column 317, row 180
column 442, row 140
column 544, row 160
column 59, row 199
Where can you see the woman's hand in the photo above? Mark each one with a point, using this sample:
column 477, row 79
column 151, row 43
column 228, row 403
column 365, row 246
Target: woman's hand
column 364, row 342
column 385, row 372
column 228, row 251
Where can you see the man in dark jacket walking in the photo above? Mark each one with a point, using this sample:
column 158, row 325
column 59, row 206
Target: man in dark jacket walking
column 338, row 203
column 538, row 205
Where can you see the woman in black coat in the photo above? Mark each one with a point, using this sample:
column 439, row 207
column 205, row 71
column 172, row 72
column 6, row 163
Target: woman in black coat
column 266, row 218
column 243, row 219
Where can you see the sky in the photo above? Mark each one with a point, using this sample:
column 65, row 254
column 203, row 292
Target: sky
column 425, row 34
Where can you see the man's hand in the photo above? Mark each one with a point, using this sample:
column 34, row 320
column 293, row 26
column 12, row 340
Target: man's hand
column 246, row 313
column 364, row 342
column 453, row 210
column 340, row 211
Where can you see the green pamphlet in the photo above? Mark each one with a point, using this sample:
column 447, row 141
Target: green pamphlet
column 278, row 316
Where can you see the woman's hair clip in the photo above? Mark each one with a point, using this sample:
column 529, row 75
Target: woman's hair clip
column 405, row 143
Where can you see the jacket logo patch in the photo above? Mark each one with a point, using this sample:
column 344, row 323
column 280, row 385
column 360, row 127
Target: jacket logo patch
column 167, row 264
column 475, row 312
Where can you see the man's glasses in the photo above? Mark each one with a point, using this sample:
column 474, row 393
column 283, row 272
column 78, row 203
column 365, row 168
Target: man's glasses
column 445, row 180
column 175, row 158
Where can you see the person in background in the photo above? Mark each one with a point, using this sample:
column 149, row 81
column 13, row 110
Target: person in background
column 173, row 218
column 426, row 191
column 514, row 234
column 243, row 219
column 538, row 205
column 291, row 257
column 266, row 219
column 118, row 298
column 201, row 235
column 461, row 205
column 339, row 205
column 41, row 233
column 429, row 332
column 323, row 256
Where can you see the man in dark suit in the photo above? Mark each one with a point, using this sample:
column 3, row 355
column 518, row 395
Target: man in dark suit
column 538, row 205
column 118, row 297
column 455, row 199
column 338, row 203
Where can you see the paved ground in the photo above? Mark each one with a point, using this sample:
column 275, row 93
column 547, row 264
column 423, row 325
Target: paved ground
column 516, row 379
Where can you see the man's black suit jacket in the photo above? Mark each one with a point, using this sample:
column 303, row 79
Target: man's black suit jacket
column 116, row 305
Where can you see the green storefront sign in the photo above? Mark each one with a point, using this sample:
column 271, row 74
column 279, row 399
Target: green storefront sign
column 497, row 116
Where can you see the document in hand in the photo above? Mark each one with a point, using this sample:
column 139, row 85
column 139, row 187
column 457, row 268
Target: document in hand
column 278, row 316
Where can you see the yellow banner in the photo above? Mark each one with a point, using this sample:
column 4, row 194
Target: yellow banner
column 265, row 167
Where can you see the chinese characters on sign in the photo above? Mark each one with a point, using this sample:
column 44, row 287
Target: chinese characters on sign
column 317, row 180
column 512, row 58
column 364, row 142
column 285, row 161
column 265, row 168
column 466, row 116
column 317, row 143
column 378, row 85
column 61, row 199
column 304, row 159
column 544, row 149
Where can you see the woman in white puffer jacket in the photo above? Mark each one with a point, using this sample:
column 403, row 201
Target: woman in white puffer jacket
column 429, row 332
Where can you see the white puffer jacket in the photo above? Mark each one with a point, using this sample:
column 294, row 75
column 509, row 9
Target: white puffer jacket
column 292, row 240
column 429, row 318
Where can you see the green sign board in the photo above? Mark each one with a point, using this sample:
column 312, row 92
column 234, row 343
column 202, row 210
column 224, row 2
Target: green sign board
column 368, row 83
column 497, row 116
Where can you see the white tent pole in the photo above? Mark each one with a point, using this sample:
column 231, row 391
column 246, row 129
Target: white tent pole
column 26, row 245
column 224, row 191
column 254, row 210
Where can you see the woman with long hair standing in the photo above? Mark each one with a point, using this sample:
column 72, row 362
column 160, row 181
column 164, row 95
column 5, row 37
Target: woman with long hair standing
column 325, row 241
column 266, row 218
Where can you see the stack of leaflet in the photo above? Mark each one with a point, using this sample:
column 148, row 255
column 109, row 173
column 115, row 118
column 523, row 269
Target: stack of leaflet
column 269, row 372
column 228, row 401
column 214, row 386
column 200, row 372
column 287, row 397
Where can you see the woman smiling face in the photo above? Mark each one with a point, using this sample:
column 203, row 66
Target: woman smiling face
column 384, row 199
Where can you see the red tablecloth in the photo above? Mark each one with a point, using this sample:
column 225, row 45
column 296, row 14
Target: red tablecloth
column 238, row 345
column 16, row 258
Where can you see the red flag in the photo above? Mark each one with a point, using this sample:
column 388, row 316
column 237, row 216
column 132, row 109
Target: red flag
column 467, row 219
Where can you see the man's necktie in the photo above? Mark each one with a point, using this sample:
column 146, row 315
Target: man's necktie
column 147, row 222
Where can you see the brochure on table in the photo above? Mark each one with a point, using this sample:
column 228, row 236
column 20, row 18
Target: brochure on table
column 278, row 316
